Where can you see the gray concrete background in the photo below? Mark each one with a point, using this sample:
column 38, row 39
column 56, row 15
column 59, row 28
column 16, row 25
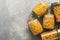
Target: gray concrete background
column 13, row 19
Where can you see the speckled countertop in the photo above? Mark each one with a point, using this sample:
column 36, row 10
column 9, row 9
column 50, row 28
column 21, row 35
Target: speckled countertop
column 13, row 19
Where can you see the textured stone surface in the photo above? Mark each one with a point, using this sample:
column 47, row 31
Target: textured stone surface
column 13, row 19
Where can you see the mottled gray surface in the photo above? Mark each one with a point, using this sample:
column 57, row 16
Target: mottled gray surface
column 13, row 19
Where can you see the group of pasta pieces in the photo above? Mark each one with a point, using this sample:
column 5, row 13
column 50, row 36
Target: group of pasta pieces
column 48, row 19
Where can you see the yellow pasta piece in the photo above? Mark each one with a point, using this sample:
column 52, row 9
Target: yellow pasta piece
column 51, row 35
column 40, row 8
column 57, row 12
column 35, row 26
column 48, row 21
